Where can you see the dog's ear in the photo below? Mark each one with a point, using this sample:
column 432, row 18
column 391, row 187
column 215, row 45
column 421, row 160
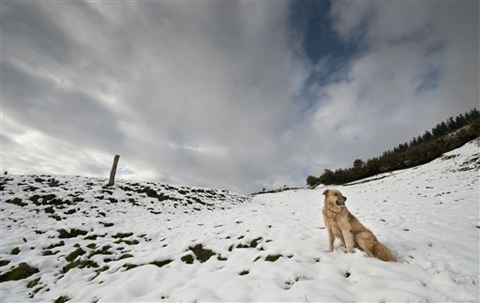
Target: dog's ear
column 326, row 192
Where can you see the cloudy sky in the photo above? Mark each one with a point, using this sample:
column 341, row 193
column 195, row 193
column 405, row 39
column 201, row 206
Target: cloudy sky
column 235, row 95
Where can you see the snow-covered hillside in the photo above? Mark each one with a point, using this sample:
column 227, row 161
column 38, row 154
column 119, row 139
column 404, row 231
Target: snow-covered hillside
column 68, row 238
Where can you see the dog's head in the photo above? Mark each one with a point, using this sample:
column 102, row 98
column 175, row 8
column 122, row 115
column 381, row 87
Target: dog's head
column 334, row 198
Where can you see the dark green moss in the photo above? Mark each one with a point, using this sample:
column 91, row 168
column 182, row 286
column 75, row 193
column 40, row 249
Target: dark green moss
column 15, row 251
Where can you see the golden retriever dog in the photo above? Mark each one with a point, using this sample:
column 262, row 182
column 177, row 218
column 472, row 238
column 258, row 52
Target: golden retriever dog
column 340, row 223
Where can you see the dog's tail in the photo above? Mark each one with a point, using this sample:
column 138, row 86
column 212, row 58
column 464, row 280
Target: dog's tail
column 381, row 252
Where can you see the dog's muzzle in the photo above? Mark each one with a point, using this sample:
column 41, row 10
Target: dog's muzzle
column 341, row 201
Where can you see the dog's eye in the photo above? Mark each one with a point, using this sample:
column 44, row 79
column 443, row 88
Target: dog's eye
column 335, row 194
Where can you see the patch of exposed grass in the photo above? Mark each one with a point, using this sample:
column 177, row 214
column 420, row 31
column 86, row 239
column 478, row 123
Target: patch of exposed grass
column 4, row 262
column 72, row 233
column 73, row 255
column 62, row 299
column 45, row 199
column 122, row 235
column 125, row 256
column 255, row 242
column 33, row 283
column 79, row 264
column 201, row 253
column 272, row 258
column 22, row 271
column 161, row 263
column 103, row 251
column 128, row 242
column 187, row 259
column 129, row 266
column 93, row 237
column 16, row 201
column 92, row 246
column 15, row 251
column 243, row 273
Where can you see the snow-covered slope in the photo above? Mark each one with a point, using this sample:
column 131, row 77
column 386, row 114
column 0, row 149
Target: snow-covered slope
column 164, row 243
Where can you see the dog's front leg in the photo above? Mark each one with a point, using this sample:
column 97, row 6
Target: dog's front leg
column 349, row 241
column 331, row 239
column 347, row 235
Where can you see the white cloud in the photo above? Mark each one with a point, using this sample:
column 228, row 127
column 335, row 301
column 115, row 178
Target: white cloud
column 207, row 93
column 418, row 63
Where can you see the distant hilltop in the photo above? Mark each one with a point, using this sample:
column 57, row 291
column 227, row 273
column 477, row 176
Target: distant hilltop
column 443, row 138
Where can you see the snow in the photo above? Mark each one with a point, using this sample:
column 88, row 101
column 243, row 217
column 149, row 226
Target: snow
column 270, row 247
